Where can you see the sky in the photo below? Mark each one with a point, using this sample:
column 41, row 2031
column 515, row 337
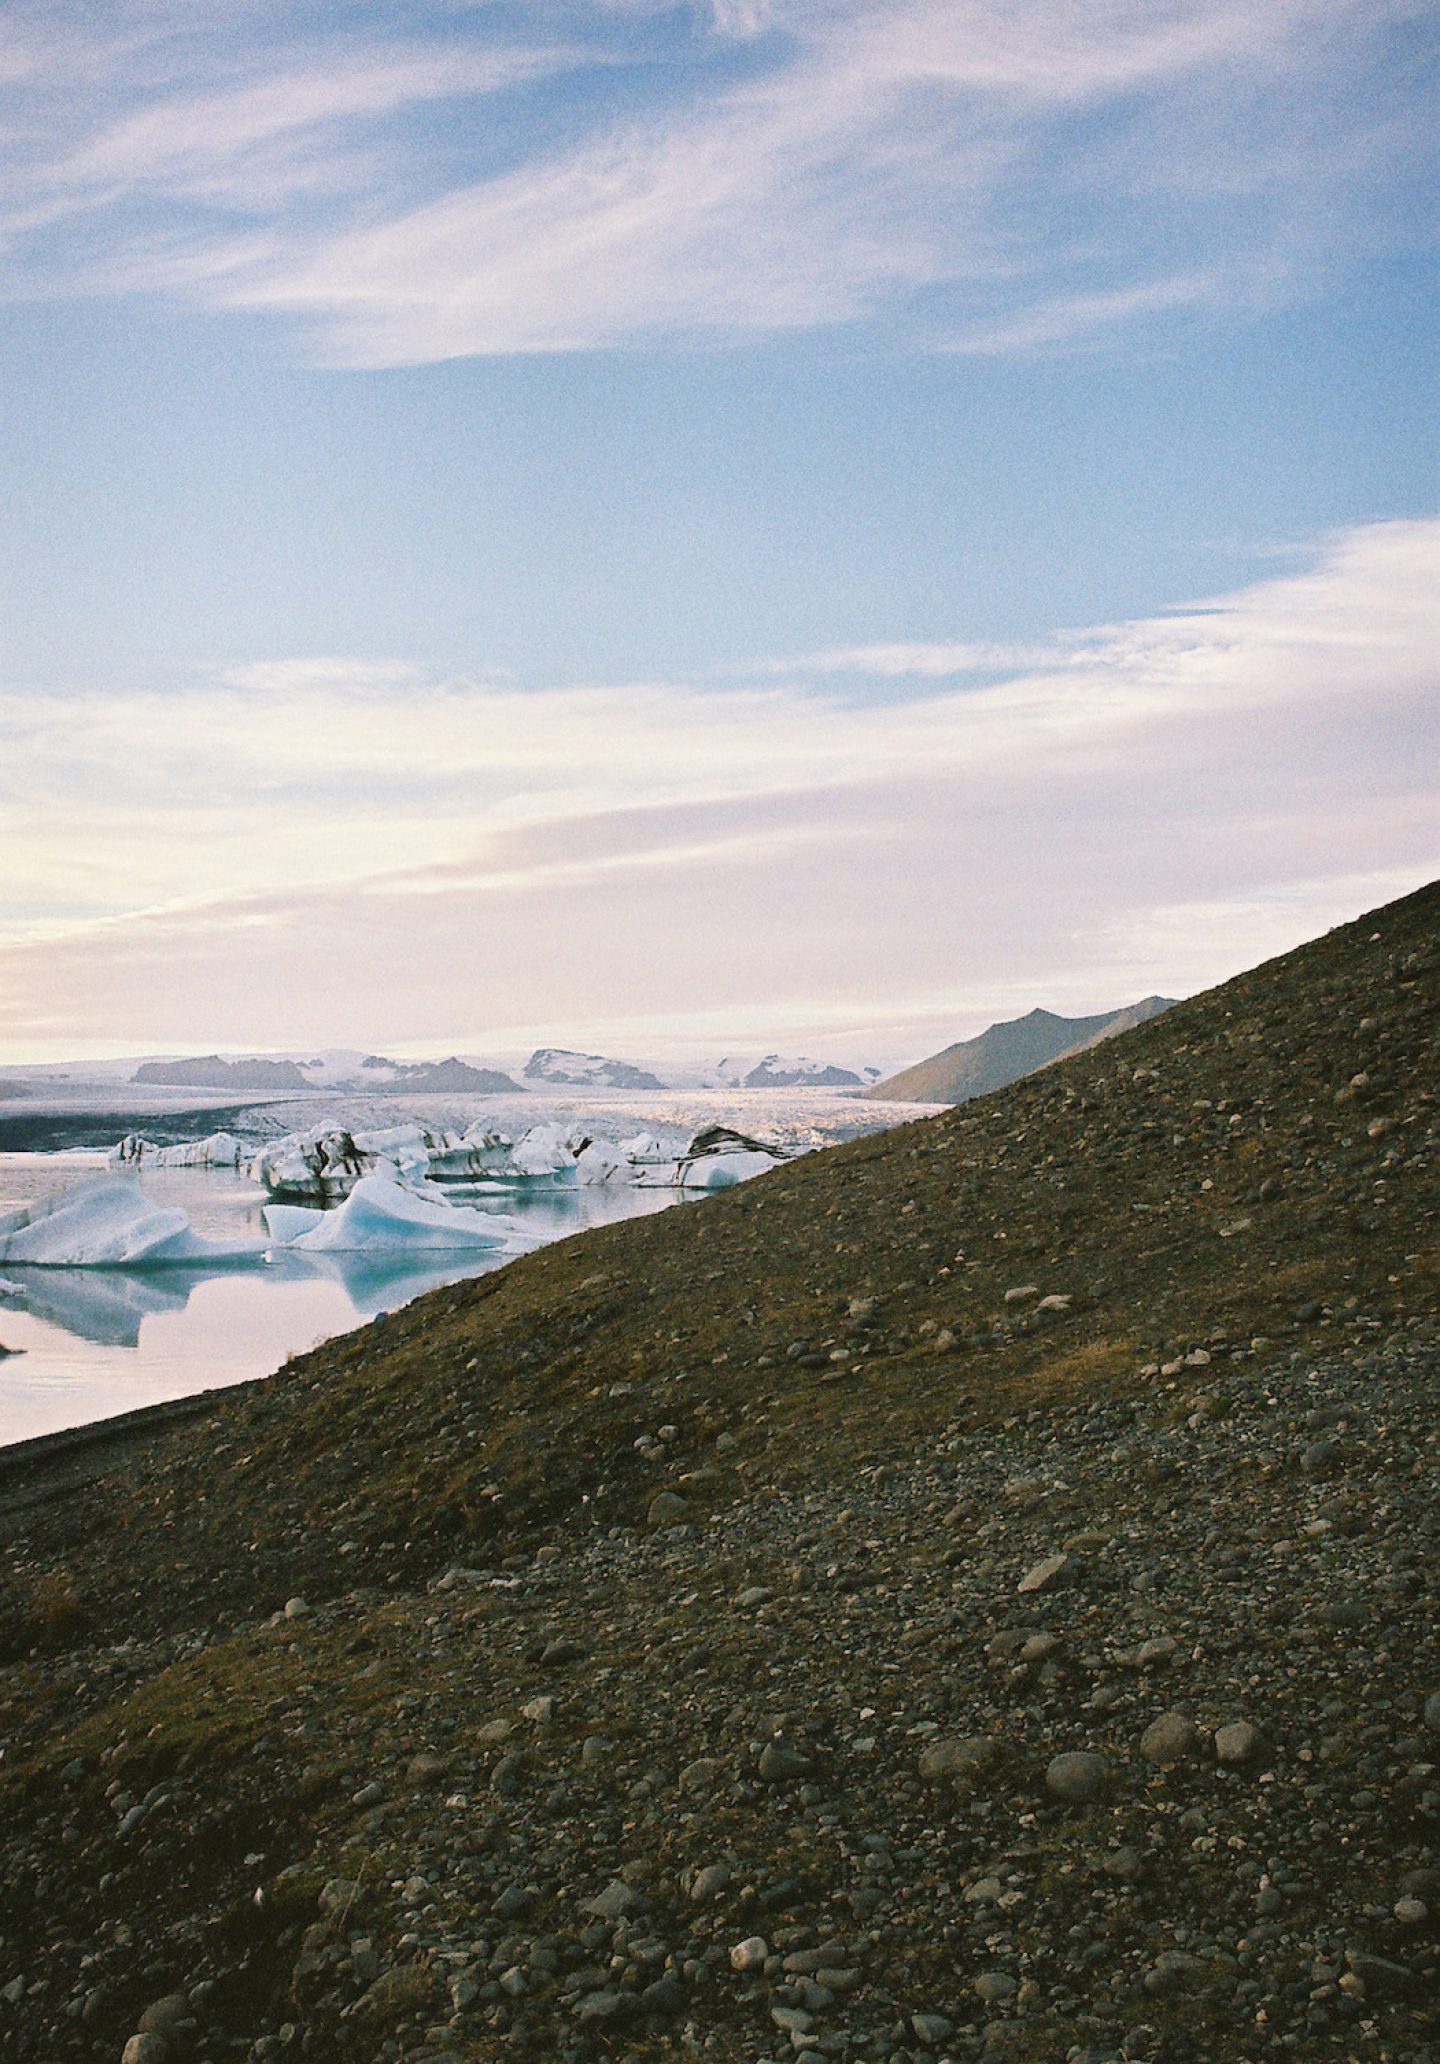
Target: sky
column 800, row 524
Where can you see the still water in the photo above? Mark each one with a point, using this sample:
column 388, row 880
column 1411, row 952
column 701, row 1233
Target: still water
column 101, row 1341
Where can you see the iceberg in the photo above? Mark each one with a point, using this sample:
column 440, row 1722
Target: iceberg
column 220, row 1150
column 720, row 1171
column 325, row 1164
column 328, row 1162
column 545, row 1151
column 108, row 1222
column 383, row 1215
column 714, row 1159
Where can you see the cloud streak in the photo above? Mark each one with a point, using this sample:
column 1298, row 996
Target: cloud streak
column 1136, row 815
column 927, row 163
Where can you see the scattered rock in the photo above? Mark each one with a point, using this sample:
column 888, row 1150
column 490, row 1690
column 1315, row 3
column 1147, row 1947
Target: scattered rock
column 1078, row 1776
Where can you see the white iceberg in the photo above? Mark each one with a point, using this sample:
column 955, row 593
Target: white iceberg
column 715, row 1159
column 720, row 1171
column 327, row 1162
column 220, row 1150
column 383, row 1215
column 544, row 1151
column 108, row 1223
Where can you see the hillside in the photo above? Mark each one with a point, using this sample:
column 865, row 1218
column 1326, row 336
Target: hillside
column 1004, row 1053
column 970, row 1593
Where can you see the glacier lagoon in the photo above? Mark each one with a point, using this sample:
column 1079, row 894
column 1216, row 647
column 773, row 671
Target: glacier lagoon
column 87, row 1343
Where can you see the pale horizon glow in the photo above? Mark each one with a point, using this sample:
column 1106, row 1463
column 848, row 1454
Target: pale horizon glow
column 1168, row 800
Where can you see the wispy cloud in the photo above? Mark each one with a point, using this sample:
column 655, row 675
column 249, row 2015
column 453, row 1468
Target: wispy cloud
column 1159, row 801
column 1000, row 176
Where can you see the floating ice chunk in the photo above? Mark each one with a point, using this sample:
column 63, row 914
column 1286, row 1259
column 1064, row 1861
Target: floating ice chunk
column 603, row 1162
column 220, row 1150
column 720, row 1171
column 381, row 1214
column 328, row 1161
column 545, row 1150
column 286, row 1222
column 108, row 1223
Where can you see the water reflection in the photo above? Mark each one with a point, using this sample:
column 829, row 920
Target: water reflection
column 89, row 1342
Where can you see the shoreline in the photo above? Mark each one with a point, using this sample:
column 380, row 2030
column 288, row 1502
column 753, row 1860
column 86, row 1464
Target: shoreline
column 45, row 1466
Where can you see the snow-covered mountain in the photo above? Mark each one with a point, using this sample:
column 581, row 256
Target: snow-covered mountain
column 771, row 1071
column 353, row 1071
column 337, row 1069
column 775, row 1072
column 561, row 1065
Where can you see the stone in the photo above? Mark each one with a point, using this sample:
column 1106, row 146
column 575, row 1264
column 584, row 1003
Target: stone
column 1160, row 1648
column 171, row 2016
column 955, row 1757
column 1170, row 1739
column 702, row 1772
column 295, row 1608
column 750, row 1954
column 666, row 1997
column 561, row 1650
column 709, row 1881
column 995, row 1985
column 1078, row 1776
column 617, row 1902
column 779, row 1763
column 1432, row 1711
column 146, row 2049
column 1381, row 1978
column 666, row 1508
column 1239, row 1741
column 427, row 1769
column 930, row 2030
column 338, row 1895
column 1048, row 1574
column 539, row 1709
column 600, row 2007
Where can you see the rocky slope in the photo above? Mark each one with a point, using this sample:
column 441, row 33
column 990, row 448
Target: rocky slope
column 1004, row 1053
column 969, row 1594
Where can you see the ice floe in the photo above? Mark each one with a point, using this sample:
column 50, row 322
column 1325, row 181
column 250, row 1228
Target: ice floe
column 383, row 1215
column 220, row 1150
column 109, row 1222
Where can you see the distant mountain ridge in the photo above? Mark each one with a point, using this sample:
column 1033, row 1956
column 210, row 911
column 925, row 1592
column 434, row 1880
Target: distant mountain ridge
column 775, row 1072
column 563, row 1065
column 1007, row 1051
column 261, row 1074
column 210, row 1071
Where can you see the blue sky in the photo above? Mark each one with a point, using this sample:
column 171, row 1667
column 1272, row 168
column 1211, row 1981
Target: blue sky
column 693, row 524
